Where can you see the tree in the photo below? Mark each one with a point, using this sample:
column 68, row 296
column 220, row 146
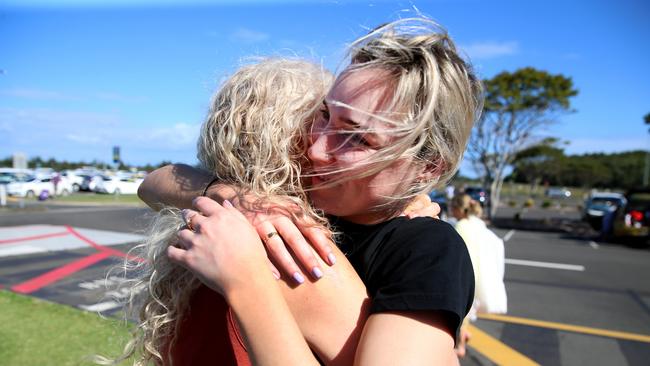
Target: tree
column 516, row 106
column 538, row 163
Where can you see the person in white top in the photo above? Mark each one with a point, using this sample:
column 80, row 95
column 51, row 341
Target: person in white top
column 487, row 252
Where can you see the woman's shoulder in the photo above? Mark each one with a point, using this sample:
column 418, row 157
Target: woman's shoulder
column 423, row 264
column 428, row 233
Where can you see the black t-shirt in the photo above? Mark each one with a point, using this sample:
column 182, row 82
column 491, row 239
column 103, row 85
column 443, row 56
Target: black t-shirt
column 411, row 264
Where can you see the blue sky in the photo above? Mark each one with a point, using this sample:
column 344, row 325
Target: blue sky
column 79, row 77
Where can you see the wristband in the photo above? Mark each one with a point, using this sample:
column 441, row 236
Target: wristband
column 205, row 191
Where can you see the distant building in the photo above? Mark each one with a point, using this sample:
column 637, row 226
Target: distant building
column 20, row 161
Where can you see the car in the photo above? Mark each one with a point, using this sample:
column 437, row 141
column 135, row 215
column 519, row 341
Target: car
column 8, row 175
column 558, row 193
column 478, row 194
column 118, row 185
column 76, row 179
column 30, row 186
column 90, row 182
column 441, row 199
column 600, row 204
column 633, row 219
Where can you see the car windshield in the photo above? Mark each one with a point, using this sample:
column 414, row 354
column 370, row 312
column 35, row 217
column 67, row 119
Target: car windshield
column 605, row 201
column 639, row 201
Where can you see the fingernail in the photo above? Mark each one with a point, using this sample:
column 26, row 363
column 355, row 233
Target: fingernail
column 331, row 258
column 317, row 272
column 227, row 203
column 298, row 277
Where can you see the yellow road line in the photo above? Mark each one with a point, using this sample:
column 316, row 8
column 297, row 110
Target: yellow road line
column 495, row 350
column 567, row 327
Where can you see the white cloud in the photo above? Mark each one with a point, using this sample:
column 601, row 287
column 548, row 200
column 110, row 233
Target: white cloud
column 41, row 94
column 246, row 35
column 83, row 139
column 485, row 50
column 27, row 93
column 117, row 97
column 76, row 136
column 178, row 136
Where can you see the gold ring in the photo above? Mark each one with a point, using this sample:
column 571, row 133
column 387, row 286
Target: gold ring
column 271, row 234
column 188, row 222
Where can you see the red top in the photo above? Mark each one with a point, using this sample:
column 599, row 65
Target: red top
column 208, row 334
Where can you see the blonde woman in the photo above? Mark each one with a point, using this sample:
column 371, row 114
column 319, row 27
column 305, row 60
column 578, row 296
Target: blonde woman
column 252, row 139
column 488, row 260
column 394, row 125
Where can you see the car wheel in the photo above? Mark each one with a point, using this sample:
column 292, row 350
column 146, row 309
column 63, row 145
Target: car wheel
column 30, row 194
column 117, row 191
column 76, row 187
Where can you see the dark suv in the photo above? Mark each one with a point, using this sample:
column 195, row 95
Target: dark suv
column 633, row 219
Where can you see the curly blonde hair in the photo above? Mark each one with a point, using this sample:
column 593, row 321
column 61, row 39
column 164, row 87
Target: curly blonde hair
column 251, row 138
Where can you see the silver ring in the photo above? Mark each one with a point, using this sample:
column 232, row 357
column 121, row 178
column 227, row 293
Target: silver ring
column 271, row 234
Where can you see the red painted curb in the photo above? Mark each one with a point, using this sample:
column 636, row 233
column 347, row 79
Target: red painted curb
column 59, row 273
column 35, row 237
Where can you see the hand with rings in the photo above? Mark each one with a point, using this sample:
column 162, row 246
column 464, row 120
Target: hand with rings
column 219, row 246
column 188, row 215
column 291, row 239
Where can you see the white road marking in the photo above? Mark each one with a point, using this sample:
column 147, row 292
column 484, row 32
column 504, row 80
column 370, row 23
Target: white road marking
column 101, row 306
column 40, row 242
column 104, row 283
column 75, row 210
column 508, row 235
column 568, row 267
column 593, row 244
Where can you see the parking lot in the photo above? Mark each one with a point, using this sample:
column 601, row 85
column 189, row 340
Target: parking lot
column 572, row 299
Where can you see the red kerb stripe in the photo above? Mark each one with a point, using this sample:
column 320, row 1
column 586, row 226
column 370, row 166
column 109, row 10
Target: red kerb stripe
column 35, row 237
column 59, row 273
column 100, row 247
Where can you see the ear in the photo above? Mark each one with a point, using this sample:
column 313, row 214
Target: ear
column 432, row 171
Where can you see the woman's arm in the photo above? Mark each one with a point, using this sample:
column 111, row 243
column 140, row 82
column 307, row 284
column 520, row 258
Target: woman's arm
column 179, row 185
column 330, row 312
column 174, row 185
column 424, row 339
column 271, row 334
column 227, row 255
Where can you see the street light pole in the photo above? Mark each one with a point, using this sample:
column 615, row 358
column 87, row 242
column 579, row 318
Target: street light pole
column 646, row 171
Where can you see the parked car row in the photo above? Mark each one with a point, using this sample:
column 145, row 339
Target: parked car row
column 31, row 183
column 30, row 186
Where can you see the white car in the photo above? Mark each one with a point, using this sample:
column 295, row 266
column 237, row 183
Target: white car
column 75, row 179
column 8, row 175
column 118, row 185
column 31, row 186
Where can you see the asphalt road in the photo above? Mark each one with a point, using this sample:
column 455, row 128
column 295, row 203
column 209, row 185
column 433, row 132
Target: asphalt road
column 572, row 300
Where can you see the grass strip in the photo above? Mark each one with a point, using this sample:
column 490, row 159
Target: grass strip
column 36, row 332
column 99, row 199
